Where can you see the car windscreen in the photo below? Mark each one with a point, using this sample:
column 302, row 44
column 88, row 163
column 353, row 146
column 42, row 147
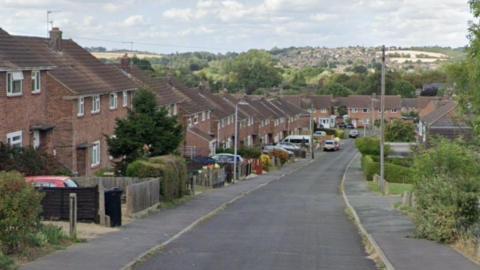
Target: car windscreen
column 298, row 140
column 70, row 183
column 329, row 142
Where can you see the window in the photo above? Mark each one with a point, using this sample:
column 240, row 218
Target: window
column 113, row 101
column 81, row 106
column 125, row 99
column 354, row 110
column 96, row 154
column 15, row 139
column 14, row 84
column 208, row 115
column 365, row 109
column 323, row 110
column 189, row 121
column 204, row 116
column 394, row 110
column 96, row 104
column 195, row 119
column 36, row 82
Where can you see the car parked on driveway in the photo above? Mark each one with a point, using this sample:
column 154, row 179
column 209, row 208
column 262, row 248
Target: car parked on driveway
column 51, row 181
column 268, row 149
column 226, row 158
column 319, row 134
column 353, row 133
column 331, row 145
column 289, row 146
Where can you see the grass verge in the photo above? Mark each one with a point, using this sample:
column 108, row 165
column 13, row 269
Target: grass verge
column 395, row 188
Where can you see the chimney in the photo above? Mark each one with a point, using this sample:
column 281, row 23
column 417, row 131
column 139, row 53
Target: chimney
column 125, row 62
column 55, row 41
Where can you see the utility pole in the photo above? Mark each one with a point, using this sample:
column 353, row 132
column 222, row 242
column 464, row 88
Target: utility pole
column 372, row 114
column 382, row 125
column 311, row 134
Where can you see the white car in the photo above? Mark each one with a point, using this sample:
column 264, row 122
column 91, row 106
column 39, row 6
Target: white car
column 289, row 146
column 268, row 149
column 224, row 158
column 331, row 145
column 299, row 140
column 353, row 133
column 319, row 134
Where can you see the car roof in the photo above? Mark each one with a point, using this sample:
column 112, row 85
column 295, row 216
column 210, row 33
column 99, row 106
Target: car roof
column 329, row 141
column 47, row 178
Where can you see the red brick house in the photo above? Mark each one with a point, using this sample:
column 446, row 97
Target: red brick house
column 82, row 98
column 362, row 110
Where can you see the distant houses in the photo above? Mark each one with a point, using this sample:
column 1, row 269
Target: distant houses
column 57, row 97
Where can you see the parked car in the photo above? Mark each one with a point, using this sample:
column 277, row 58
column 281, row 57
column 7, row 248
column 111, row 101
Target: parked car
column 342, row 125
column 226, row 158
column 268, row 149
column 319, row 134
column 331, row 145
column 350, row 126
column 204, row 161
column 353, row 133
column 299, row 140
column 51, row 181
column 289, row 146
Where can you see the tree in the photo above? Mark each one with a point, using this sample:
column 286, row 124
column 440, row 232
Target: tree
column 360, row 69
column 142, row 63
column 400, row 131
column 256, row 69
column 146, row 131
column 336, row 90
column 404, row 89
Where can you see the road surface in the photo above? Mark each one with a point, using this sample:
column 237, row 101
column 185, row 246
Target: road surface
column 297, row 222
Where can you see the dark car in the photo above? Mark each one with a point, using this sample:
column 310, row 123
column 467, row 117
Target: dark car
column 350, row 126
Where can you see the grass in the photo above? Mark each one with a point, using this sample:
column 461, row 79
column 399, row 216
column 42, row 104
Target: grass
column 395, row 188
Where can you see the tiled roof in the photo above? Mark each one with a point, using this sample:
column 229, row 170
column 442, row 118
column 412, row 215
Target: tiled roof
column 77, row 69
column 355, row 101
column 14, row 54
column 409, row 102
column 443, row 115
column 322, row 102
column 422, row 102
column 391, row 102
column 166, row 93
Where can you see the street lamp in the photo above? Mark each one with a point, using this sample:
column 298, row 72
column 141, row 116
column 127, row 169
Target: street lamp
column 236, row 140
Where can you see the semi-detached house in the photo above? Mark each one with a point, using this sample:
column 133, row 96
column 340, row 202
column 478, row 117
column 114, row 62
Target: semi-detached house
column 58, row 97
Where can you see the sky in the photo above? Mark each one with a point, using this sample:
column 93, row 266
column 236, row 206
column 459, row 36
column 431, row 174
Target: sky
column 167, row 26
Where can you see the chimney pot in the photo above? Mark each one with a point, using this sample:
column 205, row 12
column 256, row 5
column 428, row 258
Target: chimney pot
column 55, row 41
column 125, row 62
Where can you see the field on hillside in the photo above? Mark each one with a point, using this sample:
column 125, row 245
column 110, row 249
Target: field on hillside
column 117, row 55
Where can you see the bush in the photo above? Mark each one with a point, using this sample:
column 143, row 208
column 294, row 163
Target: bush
column 281, row 155
column 447, row 188
column 19, row 211
column 171, row 169
column 370, row 146
column 400, row 131
column 29, row 161
column 6, row 263
column 340, row 133
column 266, row 162
column 245, row 152
column 370, row 167
column 398, row 174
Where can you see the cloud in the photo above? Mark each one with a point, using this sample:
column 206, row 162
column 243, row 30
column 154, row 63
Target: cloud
column 134, row 20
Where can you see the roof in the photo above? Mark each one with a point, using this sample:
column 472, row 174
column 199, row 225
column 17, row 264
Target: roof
column 166, row 93
column 356, row 101
column 409, row 102
column 391, row 102
column 77, row 69
column 422, row 102
column 322, row 102
column 14, row 55
column 443, row 116
column 200, row 133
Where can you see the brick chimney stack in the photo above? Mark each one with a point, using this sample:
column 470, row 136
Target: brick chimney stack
column 55, row 41
column 125, row 62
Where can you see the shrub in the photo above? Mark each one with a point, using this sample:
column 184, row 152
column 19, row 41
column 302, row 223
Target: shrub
column 370, row 146
column 398, row 174
column 171, row 169
column 281, row 155
column 370, row 167
column 400, row 131
column 340, row 133
column 245, row 152
column 6, row 263
column 266, row 162
column 29, row 161
column 447, row 188
column 19, row 211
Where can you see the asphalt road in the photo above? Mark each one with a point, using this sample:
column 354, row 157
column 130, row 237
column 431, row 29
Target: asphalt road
column 297, row 222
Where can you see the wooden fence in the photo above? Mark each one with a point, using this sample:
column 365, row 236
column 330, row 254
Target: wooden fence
column 109, row 182
column 141, row 196
column 211, row 177
column 55, row 203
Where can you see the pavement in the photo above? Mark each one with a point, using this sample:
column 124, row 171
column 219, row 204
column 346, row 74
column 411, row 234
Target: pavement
column 393, row 232
column 297, row 222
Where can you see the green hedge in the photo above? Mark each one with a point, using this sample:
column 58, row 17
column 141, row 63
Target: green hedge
column 370, row 146
column 171, row 169
column 393, row 173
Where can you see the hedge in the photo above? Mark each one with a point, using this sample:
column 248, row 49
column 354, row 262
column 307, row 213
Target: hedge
column 171, row 169
column 393, row 173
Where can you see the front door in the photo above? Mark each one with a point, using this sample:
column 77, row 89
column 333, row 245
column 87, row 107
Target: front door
column 82, row 161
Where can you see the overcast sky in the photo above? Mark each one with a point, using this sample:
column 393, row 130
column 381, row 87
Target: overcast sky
column 238, row 25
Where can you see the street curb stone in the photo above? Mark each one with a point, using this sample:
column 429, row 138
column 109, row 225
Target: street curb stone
column 388, row 265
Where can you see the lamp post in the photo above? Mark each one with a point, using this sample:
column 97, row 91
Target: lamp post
column 311, row 134
column 235, row 139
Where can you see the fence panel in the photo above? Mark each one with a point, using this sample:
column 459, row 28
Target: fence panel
column 55, row 203
column 109, row 182
column 141, row 196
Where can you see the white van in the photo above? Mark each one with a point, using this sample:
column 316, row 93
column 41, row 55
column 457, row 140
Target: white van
column 298, row 140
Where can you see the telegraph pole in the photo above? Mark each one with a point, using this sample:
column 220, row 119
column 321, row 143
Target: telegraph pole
column 382, row 125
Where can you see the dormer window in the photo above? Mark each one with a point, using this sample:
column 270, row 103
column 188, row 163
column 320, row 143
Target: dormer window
column 14, row 84
column 36, row 82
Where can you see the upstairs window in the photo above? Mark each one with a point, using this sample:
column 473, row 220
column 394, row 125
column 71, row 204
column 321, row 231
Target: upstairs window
column 36, row 84
column 113, row 101
column 95, row 104
column 14, row 84
column 125, row 99
column 204, row 116
column 81, row 106
column 195, row 119
column 365, row 109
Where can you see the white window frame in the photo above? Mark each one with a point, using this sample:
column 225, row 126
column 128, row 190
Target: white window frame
column 365, row 110
column 204, row 116
column 18, row 142
column 96, row 104
column 36, row 82
column 10, row 82
column 195, row 119
column 113, row 101
column 125, row 98
column 81, row 106
column 323, row 110
column 354, row 110
column 96, row 154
